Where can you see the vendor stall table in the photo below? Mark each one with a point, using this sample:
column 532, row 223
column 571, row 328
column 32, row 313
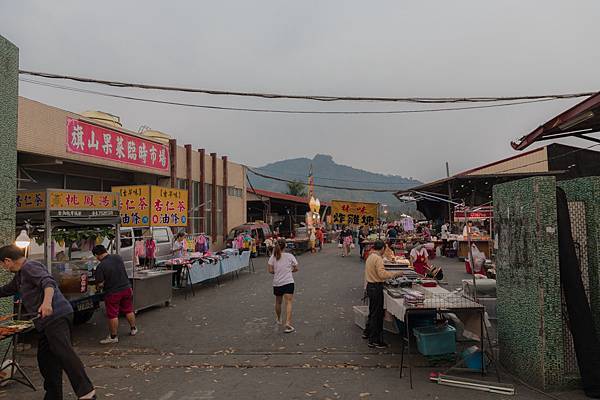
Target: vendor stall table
column 151, row 288
column 12, row 367
column 437, row 300
column 482, row 244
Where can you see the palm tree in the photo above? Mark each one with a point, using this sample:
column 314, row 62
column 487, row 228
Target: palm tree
column 297, row 188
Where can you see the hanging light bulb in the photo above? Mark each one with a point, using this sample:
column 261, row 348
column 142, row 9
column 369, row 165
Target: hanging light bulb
column 22, row 241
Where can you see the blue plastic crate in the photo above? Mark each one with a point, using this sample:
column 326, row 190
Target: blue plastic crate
column 435, row 340
column 417, row 321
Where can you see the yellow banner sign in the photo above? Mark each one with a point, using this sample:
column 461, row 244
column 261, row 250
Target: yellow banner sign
column 75, row 200
column 354, row 213
column 146, row 205
column 169, row 206
column 134, row 205
column 27, row 201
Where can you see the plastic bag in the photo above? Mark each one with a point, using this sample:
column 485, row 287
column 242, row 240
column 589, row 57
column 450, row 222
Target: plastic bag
column 340, row 246
column 352, row 245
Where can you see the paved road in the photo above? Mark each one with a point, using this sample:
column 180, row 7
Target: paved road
column 223, row 344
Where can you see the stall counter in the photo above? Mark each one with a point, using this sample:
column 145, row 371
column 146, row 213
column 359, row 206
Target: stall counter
column 151, row 288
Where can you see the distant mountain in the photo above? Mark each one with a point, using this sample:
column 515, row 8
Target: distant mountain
column 327, row 172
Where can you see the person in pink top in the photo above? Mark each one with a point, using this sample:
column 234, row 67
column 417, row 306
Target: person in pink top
column 150, row 251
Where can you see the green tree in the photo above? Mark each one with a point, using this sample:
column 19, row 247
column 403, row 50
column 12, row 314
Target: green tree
column 297, row 188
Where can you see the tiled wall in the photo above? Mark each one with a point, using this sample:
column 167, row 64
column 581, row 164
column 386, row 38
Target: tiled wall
column 529, row 300
column 534, row 341
column 9, row 67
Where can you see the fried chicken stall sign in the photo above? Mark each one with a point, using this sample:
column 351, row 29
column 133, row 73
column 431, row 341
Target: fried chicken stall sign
column 99, row 142
column 354, row 213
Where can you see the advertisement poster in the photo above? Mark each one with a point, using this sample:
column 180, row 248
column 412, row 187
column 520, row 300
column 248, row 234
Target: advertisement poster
column 354, row 213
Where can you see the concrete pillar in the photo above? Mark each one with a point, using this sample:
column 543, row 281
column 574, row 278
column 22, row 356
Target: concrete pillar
column 9, row 96
column 173, row 157
column 225, row 195
column 213, row 205
column 202, row 200
column 190, row 185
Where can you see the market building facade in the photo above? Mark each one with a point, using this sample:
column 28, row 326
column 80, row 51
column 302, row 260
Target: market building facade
column 60, row 149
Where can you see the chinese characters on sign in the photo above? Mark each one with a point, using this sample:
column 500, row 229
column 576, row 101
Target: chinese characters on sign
column 66, row 200
column 152, row 206
column 354, row 213
column 169, row 206
column 31, row 200
column 134, row 205
column 96, row 141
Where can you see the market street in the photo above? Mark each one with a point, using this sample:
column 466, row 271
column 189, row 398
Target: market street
column 223, row 344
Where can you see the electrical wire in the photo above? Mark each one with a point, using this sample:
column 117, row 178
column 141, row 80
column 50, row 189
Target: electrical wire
column 325, row 98
column 276, row 111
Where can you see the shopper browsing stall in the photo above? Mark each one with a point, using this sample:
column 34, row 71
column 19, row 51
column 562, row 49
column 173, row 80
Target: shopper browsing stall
column 40, row 295
column 283, row 265
column 111, row 277
column 179, row 251
column 375, row 276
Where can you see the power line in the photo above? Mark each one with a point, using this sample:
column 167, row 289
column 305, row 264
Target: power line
column 324, row 98
column 277, row 111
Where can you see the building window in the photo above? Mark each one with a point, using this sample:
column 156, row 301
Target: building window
column 182, row 184
column 207, row 209
column 197, row 225
column 220, row 196
column 234, row 192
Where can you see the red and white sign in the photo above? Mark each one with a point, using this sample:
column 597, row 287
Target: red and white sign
column 95, row 141
column 480, row 213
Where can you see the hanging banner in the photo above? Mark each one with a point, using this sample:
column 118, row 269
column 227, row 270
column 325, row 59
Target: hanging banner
column 354, row 213
column 169, row 207
column 95, row 141
column 134, row 204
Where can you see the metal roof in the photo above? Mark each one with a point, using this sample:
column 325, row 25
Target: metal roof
column 578, row 121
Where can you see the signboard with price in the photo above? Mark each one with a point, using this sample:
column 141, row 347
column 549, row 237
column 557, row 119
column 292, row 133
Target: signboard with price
column 354, row 213
column 143, row 206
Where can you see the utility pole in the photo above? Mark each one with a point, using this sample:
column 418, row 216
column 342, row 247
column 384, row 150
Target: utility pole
column 449, row 194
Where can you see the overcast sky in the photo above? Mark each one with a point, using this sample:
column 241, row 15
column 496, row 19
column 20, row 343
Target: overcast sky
column 353, row 48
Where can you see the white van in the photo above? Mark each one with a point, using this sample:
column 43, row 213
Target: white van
column 163, row 236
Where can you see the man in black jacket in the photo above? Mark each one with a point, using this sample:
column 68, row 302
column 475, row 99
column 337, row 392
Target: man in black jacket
column 40, row 295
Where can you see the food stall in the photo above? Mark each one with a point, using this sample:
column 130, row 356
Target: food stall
column 66, row 224
column 483, row 215
column 147, row 206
